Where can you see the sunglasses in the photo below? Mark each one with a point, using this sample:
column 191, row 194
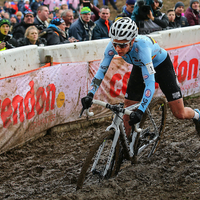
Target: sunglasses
column 120, row 45
column 28, row 16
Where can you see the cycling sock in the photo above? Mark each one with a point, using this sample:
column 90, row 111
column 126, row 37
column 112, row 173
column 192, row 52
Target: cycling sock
column 196, row 115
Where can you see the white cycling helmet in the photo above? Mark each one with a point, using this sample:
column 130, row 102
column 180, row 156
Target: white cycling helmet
column 123, row 29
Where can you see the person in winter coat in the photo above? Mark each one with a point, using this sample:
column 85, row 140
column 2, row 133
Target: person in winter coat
column 82, row 29
column 55, row 33
column 34, row 6
column 127, row 9
column 103, row 24
column 148, row 16
column 180, row 19
column 192, row 13
column 31, row 37
column 20, row 28
column 6, row 40
column 171, row 17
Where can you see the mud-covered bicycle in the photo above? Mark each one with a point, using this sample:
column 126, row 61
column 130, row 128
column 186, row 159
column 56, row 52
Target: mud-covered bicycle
column 112, row 147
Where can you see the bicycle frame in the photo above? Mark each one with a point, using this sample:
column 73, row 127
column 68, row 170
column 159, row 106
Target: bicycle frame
column 118, row 126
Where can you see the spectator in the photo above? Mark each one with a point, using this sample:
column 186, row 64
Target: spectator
column 55, row 33
column 8, row 8
column 34, row 6
column 20, row 5
column 95, row 11
column 68, row 17
column 54, row 3
column 19, row 16
column 41, row 18
column 82, row 29
column 13, row 22
column 31, row 38
column 192, row 13
column 13, row 19
column 171, row 18
column 103, row 24
column 149, row 18
column 20, row 28
column 63, row 2
column 50, row 17
column 6, row 15
column 112, row 2
column 1, row 14
column 73, row 4
column 180, row 20
column 6, row 40
column 58, row 13
column 64, row 7
column 1, row 9
column 14, row 5
column 26, row 6
column 127, row 9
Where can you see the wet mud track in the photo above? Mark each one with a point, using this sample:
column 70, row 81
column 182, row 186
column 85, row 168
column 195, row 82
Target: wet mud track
column 48, row 168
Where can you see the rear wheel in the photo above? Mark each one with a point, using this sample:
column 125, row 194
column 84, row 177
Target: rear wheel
column 153, row 125
column 88, row 177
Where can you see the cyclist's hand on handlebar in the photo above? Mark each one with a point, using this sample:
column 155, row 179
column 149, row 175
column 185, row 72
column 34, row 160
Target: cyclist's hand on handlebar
column 87, row 101
column 135, row 117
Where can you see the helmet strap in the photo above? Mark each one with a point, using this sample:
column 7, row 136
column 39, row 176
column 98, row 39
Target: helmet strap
column 130, row 46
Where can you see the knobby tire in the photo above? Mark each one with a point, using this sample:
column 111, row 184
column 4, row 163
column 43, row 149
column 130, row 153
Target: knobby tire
column 113, row 170
column 159, row 116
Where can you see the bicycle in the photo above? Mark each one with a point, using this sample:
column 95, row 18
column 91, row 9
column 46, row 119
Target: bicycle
column 107, row 154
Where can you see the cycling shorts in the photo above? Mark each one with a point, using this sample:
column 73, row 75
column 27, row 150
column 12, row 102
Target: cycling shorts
column 165, row 76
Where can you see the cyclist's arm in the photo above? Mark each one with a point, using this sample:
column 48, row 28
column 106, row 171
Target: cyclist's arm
column 148, row 73
column 99, row 76
column 149, row 87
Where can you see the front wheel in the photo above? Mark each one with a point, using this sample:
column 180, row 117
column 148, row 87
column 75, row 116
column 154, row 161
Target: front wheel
column 94, row 165
column 153, row 124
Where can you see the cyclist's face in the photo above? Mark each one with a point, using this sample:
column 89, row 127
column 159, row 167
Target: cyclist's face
column 122, row 46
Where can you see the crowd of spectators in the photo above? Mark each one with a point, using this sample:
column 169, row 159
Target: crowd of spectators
column 52, row 22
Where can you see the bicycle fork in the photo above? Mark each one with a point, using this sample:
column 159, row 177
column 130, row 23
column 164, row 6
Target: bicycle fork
column 114, row 125
column 110, row 156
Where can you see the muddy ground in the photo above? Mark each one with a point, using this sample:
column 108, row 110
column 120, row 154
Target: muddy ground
column 48, row 168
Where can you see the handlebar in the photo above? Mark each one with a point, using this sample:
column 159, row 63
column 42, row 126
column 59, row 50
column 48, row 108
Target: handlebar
column 111, row 107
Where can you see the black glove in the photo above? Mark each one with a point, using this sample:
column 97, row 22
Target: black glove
column 87, row 101
column 135, row 117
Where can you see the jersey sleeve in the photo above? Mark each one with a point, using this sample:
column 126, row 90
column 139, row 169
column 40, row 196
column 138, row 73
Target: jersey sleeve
column 104, row 65
column 148, row 73
column 149, row 90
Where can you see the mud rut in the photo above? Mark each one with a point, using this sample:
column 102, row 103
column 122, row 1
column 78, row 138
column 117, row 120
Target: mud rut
column 48, row 167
